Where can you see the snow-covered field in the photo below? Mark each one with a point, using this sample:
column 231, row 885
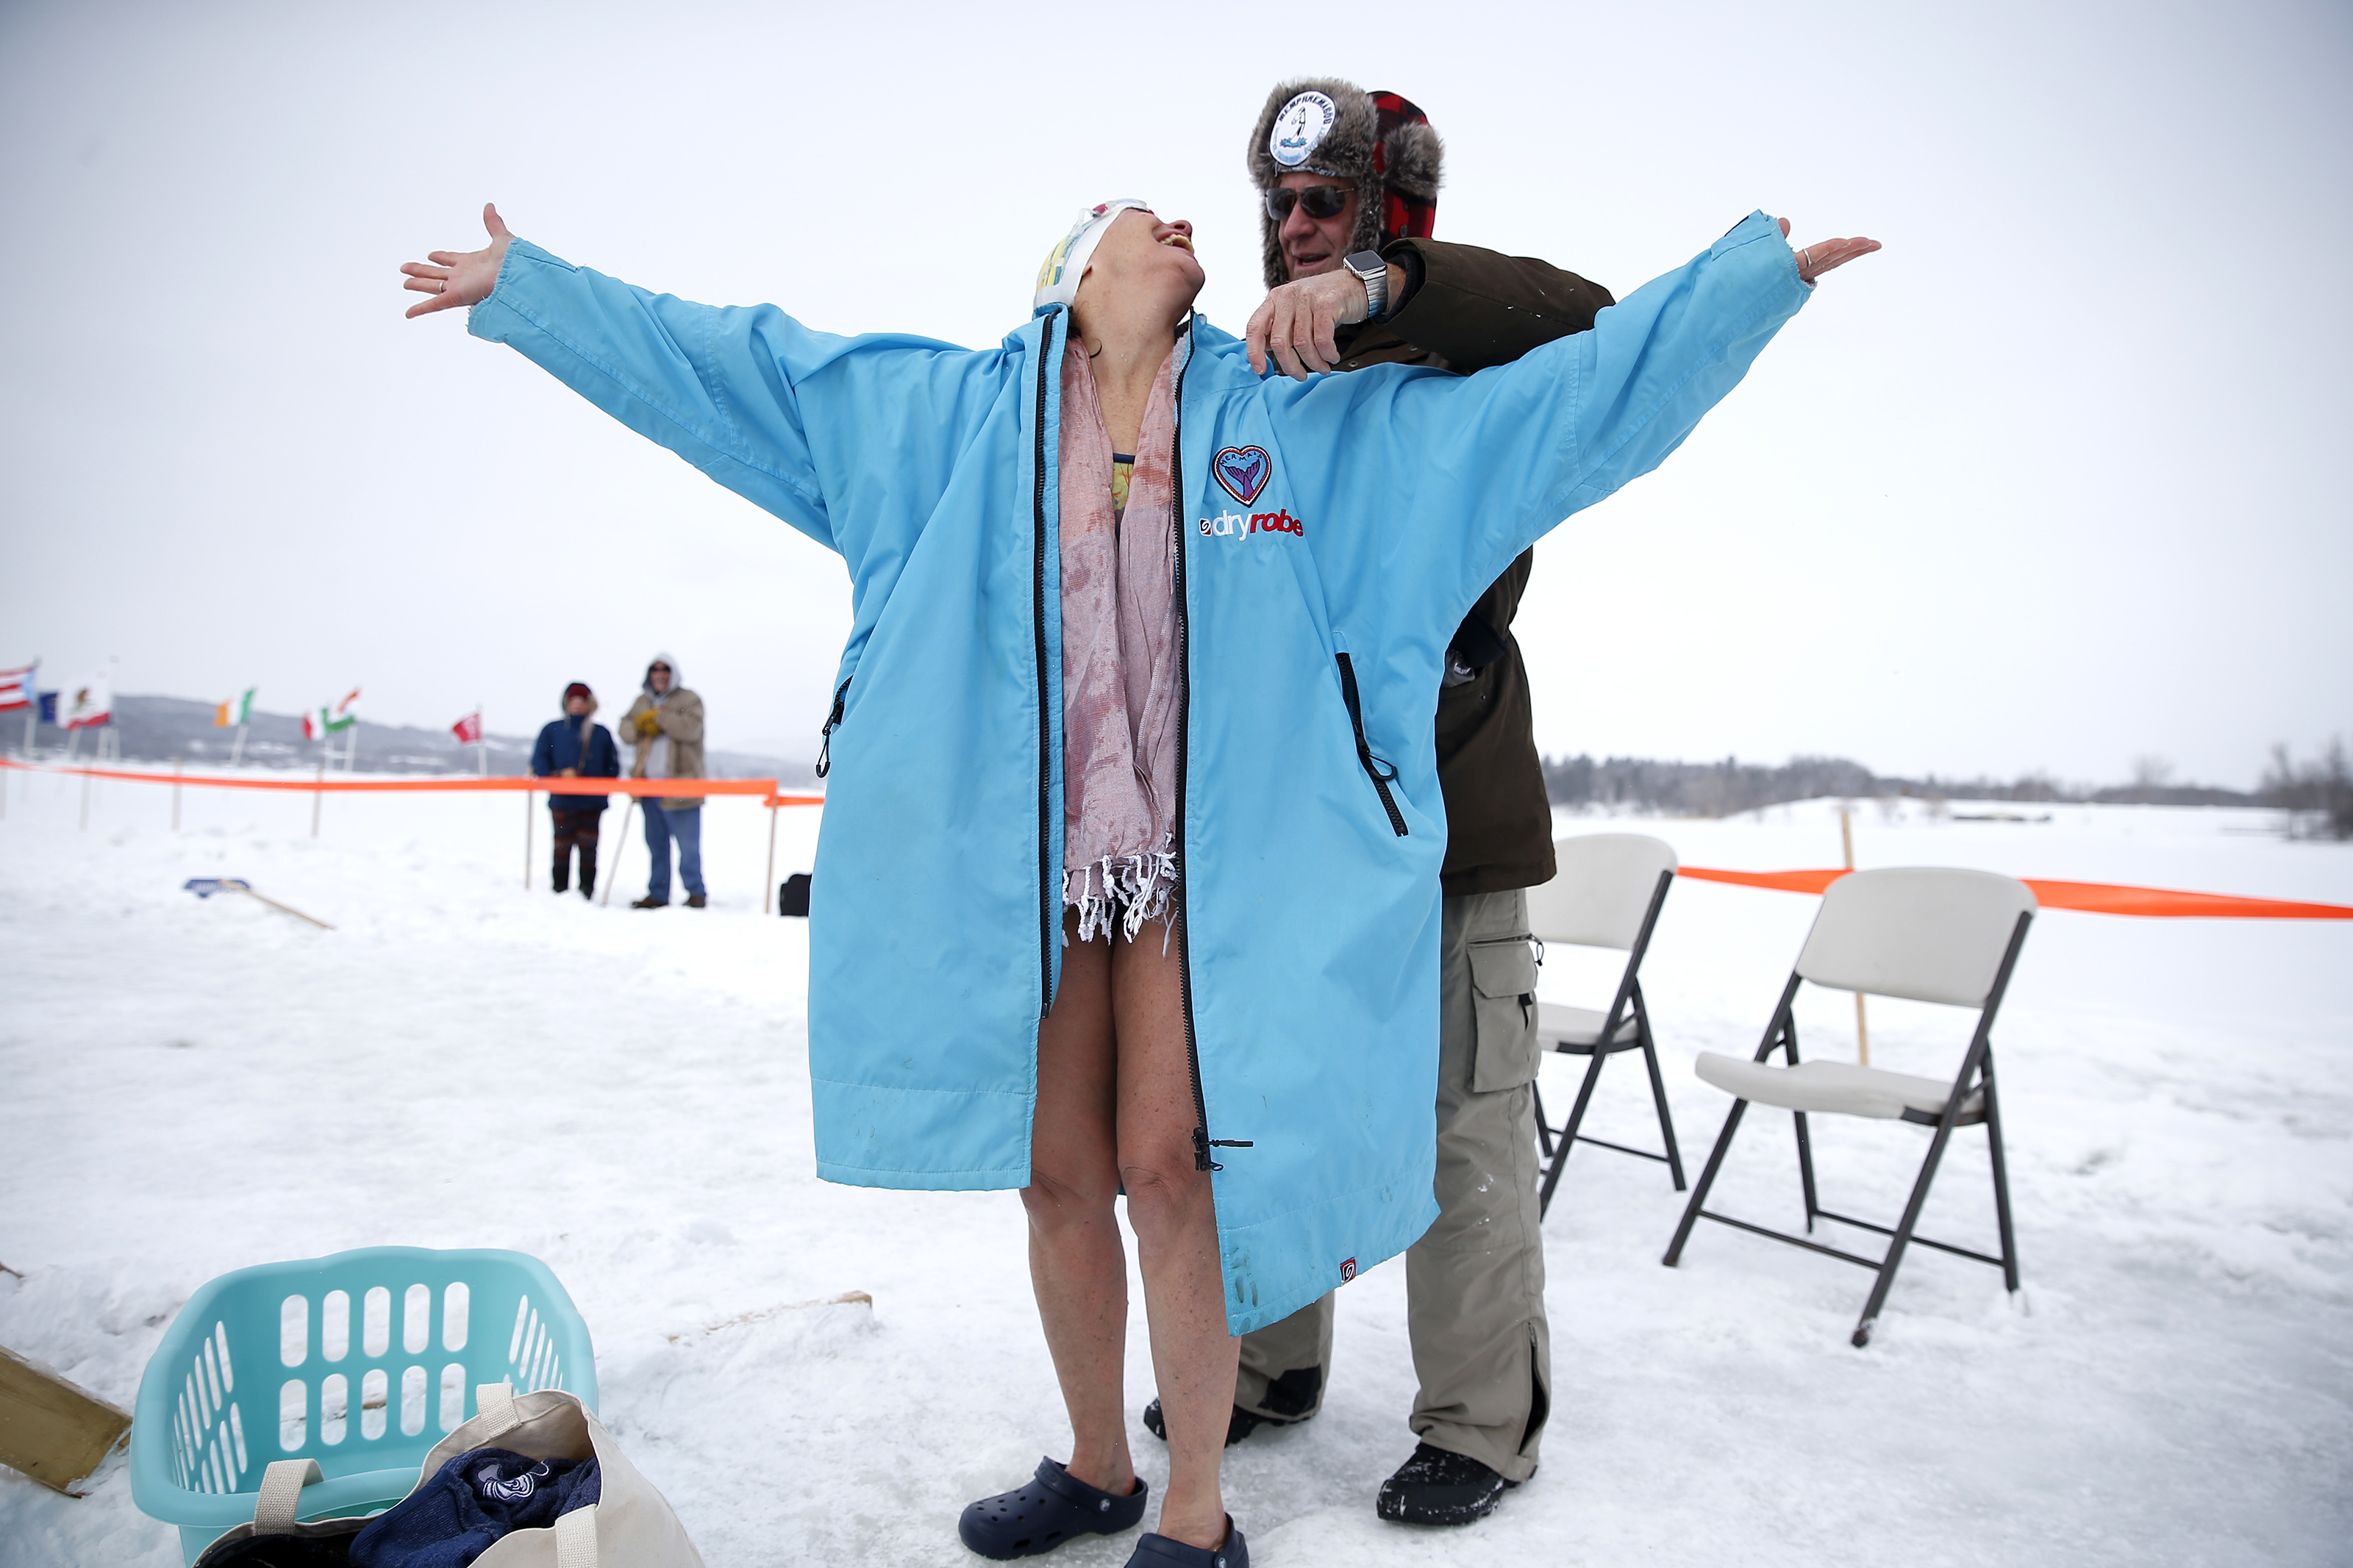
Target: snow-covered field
column 187, row 1088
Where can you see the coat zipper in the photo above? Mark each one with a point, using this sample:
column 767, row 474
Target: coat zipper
column 1046, row 932
column 1376, row 769
column 832, row 723
column 1202, row 1141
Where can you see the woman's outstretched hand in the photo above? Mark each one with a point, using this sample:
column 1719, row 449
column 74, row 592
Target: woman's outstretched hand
column 1819, row 257
column 460, row 278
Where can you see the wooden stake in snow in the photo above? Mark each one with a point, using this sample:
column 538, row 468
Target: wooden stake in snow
column 85, row 798
column 176, row 794
column 206, row 887
column 318, row 797
column 768, row 882
column 613, row 871
column 51, row 1430
column 1861, row 1027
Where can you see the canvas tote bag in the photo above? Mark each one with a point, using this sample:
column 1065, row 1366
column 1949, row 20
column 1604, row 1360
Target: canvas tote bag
column 630, row 1525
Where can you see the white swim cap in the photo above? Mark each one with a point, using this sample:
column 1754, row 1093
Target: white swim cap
column 1058, row 279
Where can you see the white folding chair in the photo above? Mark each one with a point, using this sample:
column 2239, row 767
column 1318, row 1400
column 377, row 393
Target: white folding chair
column 1930, row 934
column 1606, row 893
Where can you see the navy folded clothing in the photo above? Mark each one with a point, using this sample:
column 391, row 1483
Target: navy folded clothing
column 469, row 1503
column 280, row 1551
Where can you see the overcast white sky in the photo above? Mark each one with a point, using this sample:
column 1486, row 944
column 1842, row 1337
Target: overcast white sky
column 2058, row 479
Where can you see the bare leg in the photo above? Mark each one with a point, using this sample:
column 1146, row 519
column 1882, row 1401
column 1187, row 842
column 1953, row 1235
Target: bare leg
column 1077, row 1265
column 1170, row 1206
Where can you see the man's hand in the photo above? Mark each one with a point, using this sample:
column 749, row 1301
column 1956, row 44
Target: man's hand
column 460, row 278
column 649, row 725
column 1823, row 255
column 1294, row 325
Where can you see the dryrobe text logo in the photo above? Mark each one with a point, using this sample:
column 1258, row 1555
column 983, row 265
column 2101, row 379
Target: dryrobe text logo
column 1238, row 524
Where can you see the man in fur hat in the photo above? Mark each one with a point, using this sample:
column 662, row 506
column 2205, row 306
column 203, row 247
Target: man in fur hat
column 1348, row 181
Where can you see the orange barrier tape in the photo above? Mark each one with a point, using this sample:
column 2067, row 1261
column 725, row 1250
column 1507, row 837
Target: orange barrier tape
column 2090, row 898
column 1779, row 882
column 764, row 789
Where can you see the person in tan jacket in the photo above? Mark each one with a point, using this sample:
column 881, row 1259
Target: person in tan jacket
column 665, row 724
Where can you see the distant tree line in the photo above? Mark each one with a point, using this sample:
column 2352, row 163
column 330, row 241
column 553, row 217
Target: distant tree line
column 1732, row 786
column 2318, row 795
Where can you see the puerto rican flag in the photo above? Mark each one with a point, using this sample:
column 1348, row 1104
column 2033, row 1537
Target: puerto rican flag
column 17, row 687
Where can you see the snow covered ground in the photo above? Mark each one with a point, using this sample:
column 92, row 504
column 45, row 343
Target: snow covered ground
column 189, row 1087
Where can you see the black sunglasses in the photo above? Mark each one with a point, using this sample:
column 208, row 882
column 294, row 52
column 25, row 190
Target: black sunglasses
column 1319, row 201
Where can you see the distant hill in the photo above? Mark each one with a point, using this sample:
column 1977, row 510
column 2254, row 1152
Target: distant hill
column 1730, row 787
column 158, row 729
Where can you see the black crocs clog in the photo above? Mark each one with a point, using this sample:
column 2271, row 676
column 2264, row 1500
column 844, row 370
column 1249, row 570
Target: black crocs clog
column 1160, row 1552
column 1052, row 1507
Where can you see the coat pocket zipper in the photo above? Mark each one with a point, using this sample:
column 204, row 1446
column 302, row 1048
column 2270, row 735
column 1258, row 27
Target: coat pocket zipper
column 832, row 723
column 1376, row 769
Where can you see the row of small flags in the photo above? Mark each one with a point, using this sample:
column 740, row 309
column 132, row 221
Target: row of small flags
column 318, row 723
column 89, row 705
column 94, row 704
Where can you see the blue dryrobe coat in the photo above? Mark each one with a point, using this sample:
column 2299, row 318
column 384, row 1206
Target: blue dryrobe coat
column 1330, row 536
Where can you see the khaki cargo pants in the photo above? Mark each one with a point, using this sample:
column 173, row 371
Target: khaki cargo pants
column 1474, row 1282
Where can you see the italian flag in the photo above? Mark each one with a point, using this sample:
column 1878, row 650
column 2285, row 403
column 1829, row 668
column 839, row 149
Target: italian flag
column 237, row 710
column 321, row 722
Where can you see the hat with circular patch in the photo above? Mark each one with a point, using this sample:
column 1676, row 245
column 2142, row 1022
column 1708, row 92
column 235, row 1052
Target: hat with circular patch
column 1066, row 264
column 1377, row 142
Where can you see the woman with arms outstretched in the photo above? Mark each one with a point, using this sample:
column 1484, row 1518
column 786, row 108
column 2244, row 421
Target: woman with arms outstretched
column 1129, row 873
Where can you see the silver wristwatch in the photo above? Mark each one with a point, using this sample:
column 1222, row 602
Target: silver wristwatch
column 1373, row 274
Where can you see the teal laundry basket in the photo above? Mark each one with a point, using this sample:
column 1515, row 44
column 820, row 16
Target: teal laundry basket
column 361, row 1361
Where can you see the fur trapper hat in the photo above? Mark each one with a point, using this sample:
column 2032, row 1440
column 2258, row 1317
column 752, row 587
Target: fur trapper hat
column 1385, row 145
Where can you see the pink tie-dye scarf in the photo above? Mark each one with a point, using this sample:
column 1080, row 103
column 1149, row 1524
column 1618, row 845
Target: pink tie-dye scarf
column 1119, row 662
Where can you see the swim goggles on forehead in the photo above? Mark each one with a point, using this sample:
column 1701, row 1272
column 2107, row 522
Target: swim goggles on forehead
column 1316, row 201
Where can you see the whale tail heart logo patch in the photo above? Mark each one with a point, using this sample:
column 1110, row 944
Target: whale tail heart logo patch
column 1243, row 470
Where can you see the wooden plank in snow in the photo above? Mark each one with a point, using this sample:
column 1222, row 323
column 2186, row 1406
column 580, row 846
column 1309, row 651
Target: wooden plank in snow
column 49, row 1429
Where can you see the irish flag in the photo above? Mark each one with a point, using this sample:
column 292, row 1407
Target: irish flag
column 321, row 722
column 238, row 710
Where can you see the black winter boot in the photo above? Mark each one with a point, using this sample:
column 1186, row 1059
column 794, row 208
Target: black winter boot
column 1240, row 1425
column 1436, row 1487
column 1292, row 1398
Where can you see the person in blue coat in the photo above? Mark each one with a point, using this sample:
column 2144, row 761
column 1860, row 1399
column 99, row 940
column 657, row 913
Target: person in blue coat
column 1234, row 645
column 576, row 746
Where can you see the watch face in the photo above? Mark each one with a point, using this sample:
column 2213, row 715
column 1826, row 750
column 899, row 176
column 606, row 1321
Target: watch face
column 1364, row 261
